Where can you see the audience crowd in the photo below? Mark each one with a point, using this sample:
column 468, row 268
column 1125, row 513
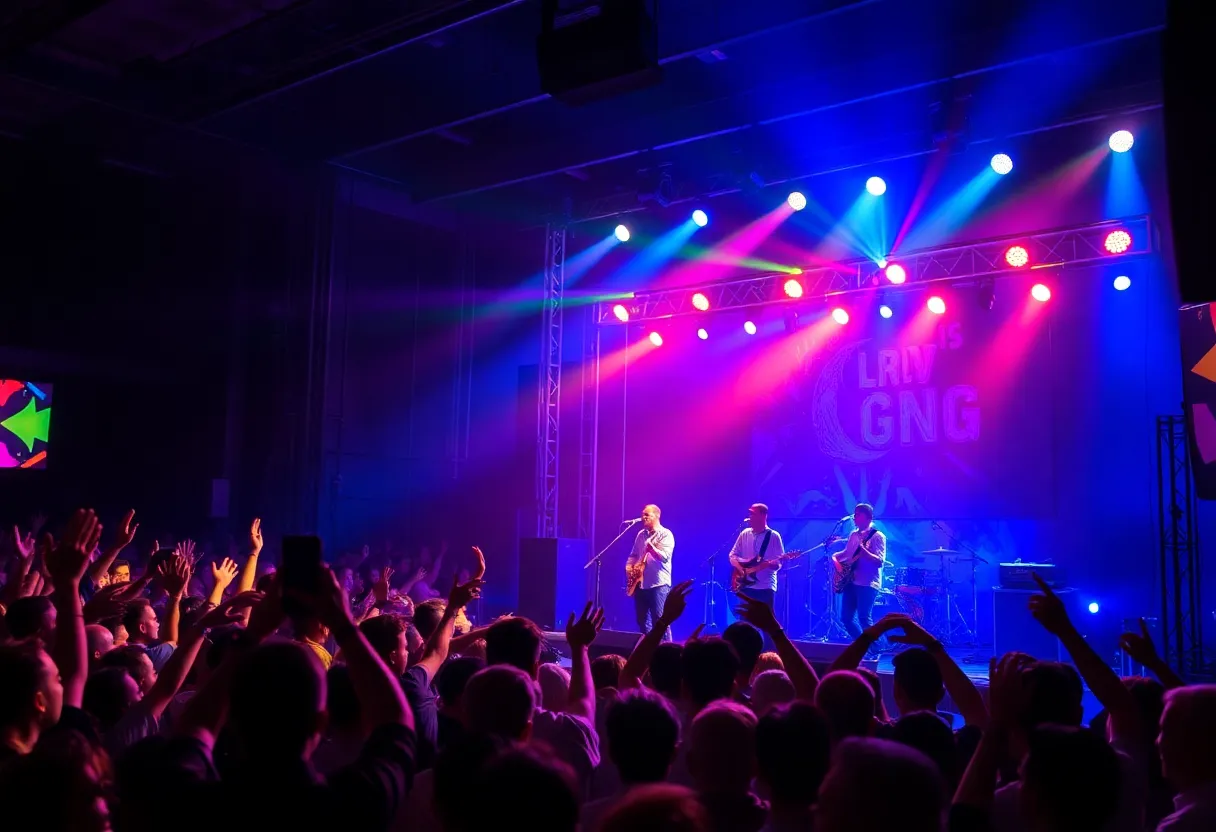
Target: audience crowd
column 184, row 692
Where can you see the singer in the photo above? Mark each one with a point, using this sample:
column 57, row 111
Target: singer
column 756, row 557
column 652, row 550
column 859, row 570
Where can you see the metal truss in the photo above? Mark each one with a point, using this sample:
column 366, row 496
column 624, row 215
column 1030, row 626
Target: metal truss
column 1181, row 605
column 548, row 417
column 1045, row 249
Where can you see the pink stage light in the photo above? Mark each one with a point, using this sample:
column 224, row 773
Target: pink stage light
column 1118, row 242
column 936, row 305
column 1017, row 256
column 622, row 314
column 703, row 334
column 840, row 316
column 656, row 339
column 699, row 301
column 793, row 288
column 1040, row 292
column 749, row 327
column 896, row 274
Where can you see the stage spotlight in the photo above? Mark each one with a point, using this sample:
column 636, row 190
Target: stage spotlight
column 1093, row 605
column 1001, row 163
column 1017, row 256
column 896, row 274
column 700, row 302
column 656, row 339
column 703, row 334
column 876, row 186
column 699, row 218
column 622, row 314
column 749, row 327
column 885, row 311
column 797, row 201
column 840, row 316
column 1121, row 141
column 936, row 305
column 882, row 263
column 1118, row 242
column 622, row 233
column 1040, row 292
column 1122, row 282
column 793, row 288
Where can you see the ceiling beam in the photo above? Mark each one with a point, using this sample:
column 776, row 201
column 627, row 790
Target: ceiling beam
column 35, row 22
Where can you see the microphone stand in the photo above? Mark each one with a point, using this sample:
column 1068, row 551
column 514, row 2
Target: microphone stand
column 975, row 557
column 830, row 612
column 598, row 559
column 708, row 618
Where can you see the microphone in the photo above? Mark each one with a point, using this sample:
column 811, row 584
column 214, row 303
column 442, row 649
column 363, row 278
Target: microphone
column 632, row 521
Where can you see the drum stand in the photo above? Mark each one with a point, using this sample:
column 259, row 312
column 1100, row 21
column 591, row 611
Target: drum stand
column 709, row 614
column 961, row 633
column 827, row 625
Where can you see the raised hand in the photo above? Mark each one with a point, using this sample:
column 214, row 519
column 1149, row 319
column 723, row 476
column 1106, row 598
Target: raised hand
column 174, row 575
column 1048, row 609
column 462, row 594
column 758, row 614
column 580, row 634
column 1006, row 690
column 480, row 571
column 1140, row 646
column 223, row 573
column 105, row 603
column 380, row 587
column 255, row 536
column 126, row 530
column 185, row 549
column 696, row 633
column 231, row 610
column 913, row 632
column 66, row 563
column 32, row 584
column 24, row 545
column 675, row 604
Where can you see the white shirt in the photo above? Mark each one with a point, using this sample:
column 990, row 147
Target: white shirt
column 746, row 552
column 658, row 567
column 866, row 572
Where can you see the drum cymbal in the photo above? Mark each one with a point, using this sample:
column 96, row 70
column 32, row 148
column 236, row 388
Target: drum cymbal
column 940, row 551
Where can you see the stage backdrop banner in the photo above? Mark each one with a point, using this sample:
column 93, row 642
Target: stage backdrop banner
column 936, row 418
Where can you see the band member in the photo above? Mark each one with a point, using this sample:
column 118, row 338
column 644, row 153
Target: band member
column 865, row 551
column 656, row 544
column 758, row 545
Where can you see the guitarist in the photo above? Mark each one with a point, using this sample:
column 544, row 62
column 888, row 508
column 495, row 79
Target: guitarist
column 864, row 553
column 655, row 545
column 758, row 545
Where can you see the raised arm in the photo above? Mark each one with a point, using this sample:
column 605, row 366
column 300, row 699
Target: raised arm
column 435, row 653
column 66, row 564
column 801, row 674
column 961, row 689
column 639, row 659
column 579, row 635
column 126, row 534
column 1141, row 649
column 174, row 577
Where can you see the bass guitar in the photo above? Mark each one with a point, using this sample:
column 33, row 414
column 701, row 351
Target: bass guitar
column 844, row 574
column 744, row 576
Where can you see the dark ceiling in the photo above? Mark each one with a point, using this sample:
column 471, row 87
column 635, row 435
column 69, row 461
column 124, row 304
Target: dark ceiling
column 442, row 97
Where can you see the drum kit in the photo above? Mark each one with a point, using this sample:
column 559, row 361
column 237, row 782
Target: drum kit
column 926, row 589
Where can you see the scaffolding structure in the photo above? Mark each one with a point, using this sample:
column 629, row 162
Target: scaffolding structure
column 1181, row 603
column 548, row 417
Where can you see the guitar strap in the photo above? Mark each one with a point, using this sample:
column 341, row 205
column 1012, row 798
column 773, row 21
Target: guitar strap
column 768, row 534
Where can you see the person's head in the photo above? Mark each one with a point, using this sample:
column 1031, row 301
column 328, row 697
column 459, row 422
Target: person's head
column 665, row 669
column 767, row 661
column 847, row 701
column 657, row 807
column 554, row 686
column 1150, row 702
column 514, row 641
column 1051, row 696
column 793, row 750
column 1188, row 723
column 57, row 788
column 880, row 707
column 722, row 749
column 507, row 789
column 341, row 701
column 32, row 617
column 108, row 694
column 31, row 694
column 770, row 689
column 99, row 640
column 500, row 700
column 757, row 517
column 428, row 614
column 277, row 701
column 748, row 644
column 120, row 572
column 1070, row 780
column 606, row 670
column 863, row 516
column 918, row 681
column 708, row 669
column 913, row 798
column 929, row 734
column 642, row 731
column 451, row 681
column 143, row 627
column 650, row 517
column 386, row 634
column 134, row 660
column 457, row 764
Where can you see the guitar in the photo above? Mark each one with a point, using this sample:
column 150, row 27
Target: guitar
column 635, row 573
column 844, row 575
column 744, row 576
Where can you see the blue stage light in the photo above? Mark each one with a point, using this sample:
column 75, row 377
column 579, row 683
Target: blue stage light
column 1001, row 163
column 876, row 186
column 1121, row 141
column 1093, row 607
column 699, row 218
column 622, row 233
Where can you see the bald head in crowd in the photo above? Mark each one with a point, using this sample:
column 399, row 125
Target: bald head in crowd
column 500, row 701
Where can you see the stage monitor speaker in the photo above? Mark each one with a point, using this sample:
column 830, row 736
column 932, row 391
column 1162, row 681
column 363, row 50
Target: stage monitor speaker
column 590, row 50
column 552, row 581
column 1014, row 628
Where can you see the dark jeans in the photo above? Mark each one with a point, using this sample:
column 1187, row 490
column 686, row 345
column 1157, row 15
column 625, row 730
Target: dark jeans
column 856, row 607
column 648, row 604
